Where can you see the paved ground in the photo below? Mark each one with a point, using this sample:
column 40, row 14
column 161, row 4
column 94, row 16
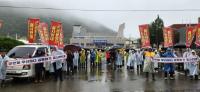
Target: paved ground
column 108, row 81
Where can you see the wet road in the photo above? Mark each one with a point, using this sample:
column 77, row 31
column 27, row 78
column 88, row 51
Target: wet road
column 99, row 80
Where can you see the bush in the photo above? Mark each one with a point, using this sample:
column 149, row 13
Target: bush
column 7, row 44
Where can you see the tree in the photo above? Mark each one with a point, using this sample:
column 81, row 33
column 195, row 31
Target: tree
column 8, row 43
column 156, row 32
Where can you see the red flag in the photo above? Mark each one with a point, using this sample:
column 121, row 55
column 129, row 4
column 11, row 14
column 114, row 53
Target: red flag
column 43, row 33
column 33, row 24
column 56, row 37
column 1, row 23
column 61, row 36
column 168, row 37
column 190, row 31
column 144, row 33
column 197, row 42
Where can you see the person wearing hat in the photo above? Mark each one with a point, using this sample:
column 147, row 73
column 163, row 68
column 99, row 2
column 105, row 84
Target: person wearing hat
column 3, row 59
column 193, row 66
column 169, row 67
column 148, row 64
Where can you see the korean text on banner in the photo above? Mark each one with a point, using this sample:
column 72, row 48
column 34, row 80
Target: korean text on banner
column 43, row 33
column 144, row 33
column 33, row 24
column 190, row 31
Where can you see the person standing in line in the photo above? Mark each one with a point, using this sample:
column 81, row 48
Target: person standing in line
column 88, row 60
column 139, row 59
column 119, row 59
column 3, row 65
column 129, row 60
column 186, row 54
column 157, row 55
column 169, row 67
column 108, row 57
column 82, row 58
column 57, row 65
column 148, row 64
column 92, row 58
column 39, row 67
column 70, row 58
column 75, row 60
column 193, row 66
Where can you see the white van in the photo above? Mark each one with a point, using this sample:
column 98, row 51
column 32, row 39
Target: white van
column 24, row 51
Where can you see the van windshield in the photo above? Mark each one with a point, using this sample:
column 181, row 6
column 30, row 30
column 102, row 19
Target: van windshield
column 21, row 52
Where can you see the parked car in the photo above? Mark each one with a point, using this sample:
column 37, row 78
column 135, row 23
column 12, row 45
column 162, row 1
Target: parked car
column 25, row 51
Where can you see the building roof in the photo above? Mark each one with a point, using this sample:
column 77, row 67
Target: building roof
column 178, row 26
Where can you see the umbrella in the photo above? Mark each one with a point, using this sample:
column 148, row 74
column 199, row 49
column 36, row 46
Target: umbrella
column 115, row 47
column 72, row 48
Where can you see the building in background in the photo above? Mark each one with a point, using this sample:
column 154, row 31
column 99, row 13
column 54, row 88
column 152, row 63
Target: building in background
column 86, row 39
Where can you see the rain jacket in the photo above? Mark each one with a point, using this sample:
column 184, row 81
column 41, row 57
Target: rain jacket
column 193, row 66
column 169, row 67
column 3, row 67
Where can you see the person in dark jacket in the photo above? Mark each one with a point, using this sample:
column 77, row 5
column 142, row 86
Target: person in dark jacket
column 38, row 67
column 69, row 60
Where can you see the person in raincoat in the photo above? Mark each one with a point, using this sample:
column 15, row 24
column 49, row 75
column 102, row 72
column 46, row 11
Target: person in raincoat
column 186, row 54
column 193, row 66
column 139, row 59
column 88, row 60
column 130, row 63
column 3, row 61
column 119, row 59
column 83, row 58
column 76, row 60
column 98, row 58
column 157, row 55
column 169, row 67
column 92, row 58
column 148, row 64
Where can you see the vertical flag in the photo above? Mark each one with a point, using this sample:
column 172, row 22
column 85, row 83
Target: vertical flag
column 56, row 36
column 1, row 23
column 190, row 31
column 144, row 33
column 197, row 41
column 33, row 24
column 61, row 36
column 168, row 37
column 53, row 33
column 43, row 33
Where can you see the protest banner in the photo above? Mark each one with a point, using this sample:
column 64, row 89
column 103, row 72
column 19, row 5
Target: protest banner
column 29, row 61
column 174, row 60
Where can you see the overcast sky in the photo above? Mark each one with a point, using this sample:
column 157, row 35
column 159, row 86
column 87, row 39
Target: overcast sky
column 112, row 19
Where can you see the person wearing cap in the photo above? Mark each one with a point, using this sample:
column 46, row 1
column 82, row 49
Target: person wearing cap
column 148, row 64
column 3, row 61
column 193, row 66
column 169, row 67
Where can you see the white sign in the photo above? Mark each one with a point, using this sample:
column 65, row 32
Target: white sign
column 35, row 60
column 174, row 60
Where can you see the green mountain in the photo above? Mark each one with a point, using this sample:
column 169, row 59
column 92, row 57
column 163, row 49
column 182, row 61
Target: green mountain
column 15, row 15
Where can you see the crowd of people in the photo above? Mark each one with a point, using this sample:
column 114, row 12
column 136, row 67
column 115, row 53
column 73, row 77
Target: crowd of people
column 134, row 60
